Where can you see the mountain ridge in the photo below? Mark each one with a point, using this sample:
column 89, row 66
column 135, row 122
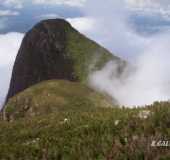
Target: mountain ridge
column 53, row 49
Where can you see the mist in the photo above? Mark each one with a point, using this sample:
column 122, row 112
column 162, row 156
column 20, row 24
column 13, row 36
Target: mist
column 148, row 77
column 9, row 45
column 148, row 80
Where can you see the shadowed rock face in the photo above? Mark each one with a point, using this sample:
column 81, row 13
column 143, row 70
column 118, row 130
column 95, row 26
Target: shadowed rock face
column 54, row 50
column 42, row 56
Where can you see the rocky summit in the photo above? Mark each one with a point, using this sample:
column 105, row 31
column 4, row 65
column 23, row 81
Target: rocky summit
column 53, row 49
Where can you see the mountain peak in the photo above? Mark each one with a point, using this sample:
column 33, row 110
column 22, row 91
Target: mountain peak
column 51, row 24
column 53, row 49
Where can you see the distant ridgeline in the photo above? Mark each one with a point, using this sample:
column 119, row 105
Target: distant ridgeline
column 53, row 49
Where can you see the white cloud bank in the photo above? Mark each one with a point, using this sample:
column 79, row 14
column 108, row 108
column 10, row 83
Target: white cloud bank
column 149, row 80
column 140, row 4
column 148, row 3
column 47, row 16
column 18, row 4
column 9, row 45
column 73, row 3
column 8, row 13
column 83, row 24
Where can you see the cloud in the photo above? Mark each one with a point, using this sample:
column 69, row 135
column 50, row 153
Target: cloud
column 150, row 7
column 149, row 3
column 18, row 4
column 78, row 3
column 83, row 24
column 143, row 3
column 9, row 45
column 147, row 79
column 8, row 13
column 146, row 82
column 111, row 27
column 48, row 16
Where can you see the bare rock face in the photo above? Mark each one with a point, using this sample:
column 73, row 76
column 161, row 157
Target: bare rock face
column 41, row 56
column 52, row 49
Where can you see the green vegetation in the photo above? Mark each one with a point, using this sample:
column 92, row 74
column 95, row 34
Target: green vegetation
column 87, row 55
column 61, row 120
column 53, row 96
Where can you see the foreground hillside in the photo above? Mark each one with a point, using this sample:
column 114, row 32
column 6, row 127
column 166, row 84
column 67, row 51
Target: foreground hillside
column 64, row 120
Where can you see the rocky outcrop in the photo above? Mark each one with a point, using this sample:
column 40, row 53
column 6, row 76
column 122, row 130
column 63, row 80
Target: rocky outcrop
column 53, row 49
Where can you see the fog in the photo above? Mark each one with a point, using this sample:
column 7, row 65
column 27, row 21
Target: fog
column 149, row 80
column 9, row 45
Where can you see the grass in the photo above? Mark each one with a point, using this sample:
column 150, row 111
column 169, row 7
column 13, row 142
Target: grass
column 53, row 96
column 86, row 54
column 63, row 120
